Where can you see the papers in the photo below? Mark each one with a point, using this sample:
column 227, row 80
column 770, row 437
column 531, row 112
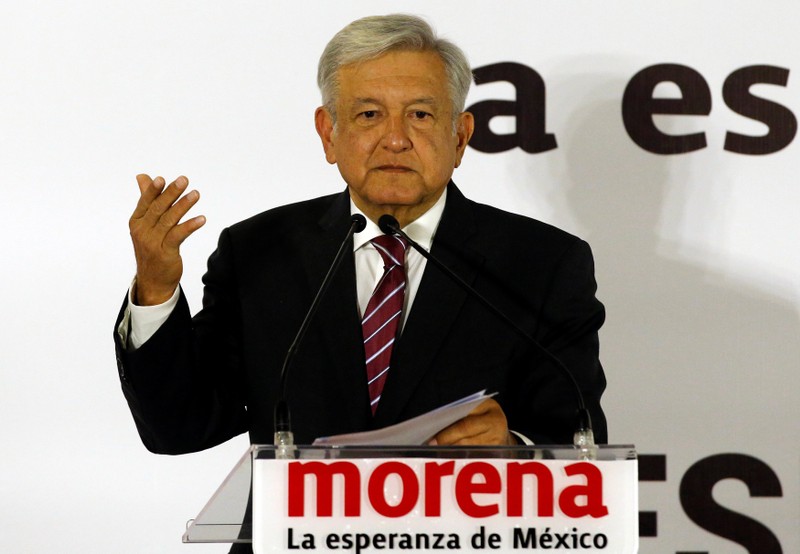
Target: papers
column 415, row 431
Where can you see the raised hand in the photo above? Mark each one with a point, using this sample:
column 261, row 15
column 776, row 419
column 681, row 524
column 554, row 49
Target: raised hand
column 157, row 234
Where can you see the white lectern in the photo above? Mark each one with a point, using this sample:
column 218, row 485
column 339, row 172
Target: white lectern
column 396, row 499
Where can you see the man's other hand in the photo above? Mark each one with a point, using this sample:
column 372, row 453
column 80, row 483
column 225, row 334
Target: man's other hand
column 157, row 233
column 485, row 425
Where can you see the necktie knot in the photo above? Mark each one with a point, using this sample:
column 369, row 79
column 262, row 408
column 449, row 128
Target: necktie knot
column 391, row 248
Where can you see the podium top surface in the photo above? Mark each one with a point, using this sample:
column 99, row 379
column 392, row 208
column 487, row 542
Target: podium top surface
column 538, row 452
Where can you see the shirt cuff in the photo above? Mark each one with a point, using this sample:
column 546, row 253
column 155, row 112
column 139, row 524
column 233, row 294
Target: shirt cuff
column 525, row 440
column 139, row 323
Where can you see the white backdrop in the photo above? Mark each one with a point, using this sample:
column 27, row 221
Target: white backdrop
column 697, row 256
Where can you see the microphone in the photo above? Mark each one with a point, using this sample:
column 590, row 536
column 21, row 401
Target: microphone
column 584, row 436
column 283, row 438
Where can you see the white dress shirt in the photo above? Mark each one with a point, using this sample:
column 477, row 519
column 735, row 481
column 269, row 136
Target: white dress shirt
column 369, row 264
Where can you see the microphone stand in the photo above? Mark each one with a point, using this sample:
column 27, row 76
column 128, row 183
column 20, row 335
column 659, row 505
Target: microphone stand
column 283, row 437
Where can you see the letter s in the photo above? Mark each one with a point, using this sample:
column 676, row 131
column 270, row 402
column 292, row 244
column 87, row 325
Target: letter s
column 780, row 120
column 699, row 505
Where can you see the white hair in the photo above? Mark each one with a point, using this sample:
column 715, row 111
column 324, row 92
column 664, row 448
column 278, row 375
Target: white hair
column 371, row 37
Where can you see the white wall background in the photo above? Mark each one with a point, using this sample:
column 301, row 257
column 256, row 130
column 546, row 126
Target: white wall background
column 697, row 254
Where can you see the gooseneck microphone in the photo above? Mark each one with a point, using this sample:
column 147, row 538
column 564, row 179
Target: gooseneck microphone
column 584, row 436
column 284, row 439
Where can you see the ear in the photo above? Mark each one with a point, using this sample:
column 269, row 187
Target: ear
column 465, row 125
column 324, row 124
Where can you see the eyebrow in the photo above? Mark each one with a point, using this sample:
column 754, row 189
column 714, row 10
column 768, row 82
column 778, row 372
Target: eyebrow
column 426, row 100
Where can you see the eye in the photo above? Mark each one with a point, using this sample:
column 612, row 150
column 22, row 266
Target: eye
column 369, row 114
column 419, row 114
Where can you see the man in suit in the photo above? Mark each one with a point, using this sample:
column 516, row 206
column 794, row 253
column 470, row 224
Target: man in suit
column 392, row 120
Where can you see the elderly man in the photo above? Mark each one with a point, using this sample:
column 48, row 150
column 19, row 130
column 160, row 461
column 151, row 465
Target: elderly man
column 392, row 121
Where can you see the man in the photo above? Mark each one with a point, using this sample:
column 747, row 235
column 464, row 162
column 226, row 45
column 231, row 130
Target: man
column 392, row 120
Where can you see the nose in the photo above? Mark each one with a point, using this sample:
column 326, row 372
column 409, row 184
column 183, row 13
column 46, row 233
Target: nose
column 396, row 138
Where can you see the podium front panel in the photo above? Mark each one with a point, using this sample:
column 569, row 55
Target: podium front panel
column 472, row 499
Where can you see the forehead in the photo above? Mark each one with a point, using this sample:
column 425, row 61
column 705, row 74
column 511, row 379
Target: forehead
column 395, row 75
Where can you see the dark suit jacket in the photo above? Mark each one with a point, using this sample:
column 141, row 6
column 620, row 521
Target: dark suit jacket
column 199, row 381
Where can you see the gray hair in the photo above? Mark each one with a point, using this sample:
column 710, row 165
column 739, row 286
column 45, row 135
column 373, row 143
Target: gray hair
column 371, row 37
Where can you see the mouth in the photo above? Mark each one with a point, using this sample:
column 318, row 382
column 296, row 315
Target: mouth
column 394, row 168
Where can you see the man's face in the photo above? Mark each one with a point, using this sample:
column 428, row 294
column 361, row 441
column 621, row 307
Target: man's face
column 394, row 141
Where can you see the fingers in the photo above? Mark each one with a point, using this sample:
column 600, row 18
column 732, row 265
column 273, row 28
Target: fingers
column 175, row 237
column 157, row 233
column 485, row 425
column 174, row 212
column 162, row 208
column 157, row 217
column 149, row 189
column 156, row 203
column 144, row 181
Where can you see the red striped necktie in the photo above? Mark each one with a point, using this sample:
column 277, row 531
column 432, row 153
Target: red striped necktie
column 381, row 321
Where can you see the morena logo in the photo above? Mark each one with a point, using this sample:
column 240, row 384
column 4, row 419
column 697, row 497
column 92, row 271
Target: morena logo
column 638, row 106
column 480, row 489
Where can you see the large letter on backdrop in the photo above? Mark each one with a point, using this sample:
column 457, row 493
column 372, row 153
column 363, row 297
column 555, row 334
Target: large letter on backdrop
column 529, row 110
column 639, row 106
column 700, row 506
column 779, row 119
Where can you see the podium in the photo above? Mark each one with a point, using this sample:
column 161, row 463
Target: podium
column 393, row 499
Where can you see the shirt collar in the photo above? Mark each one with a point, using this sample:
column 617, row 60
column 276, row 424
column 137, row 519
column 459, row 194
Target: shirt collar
column 421, row 230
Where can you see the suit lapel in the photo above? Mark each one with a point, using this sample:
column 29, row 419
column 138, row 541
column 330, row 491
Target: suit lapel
column 338, row 319
column 435, row 308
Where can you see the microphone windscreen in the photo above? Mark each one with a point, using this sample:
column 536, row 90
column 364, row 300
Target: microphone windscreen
column 360, row 222
column 388, row 224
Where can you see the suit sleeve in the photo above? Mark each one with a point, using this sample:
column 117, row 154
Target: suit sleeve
column 545, row 405
column 184, row 386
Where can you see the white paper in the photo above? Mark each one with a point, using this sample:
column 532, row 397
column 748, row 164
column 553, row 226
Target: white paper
column 415, row 431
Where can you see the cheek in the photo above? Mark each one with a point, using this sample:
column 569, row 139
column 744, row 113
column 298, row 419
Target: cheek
column 439, row 156
column 360, row 140
column 345, row 150
column 352, row 158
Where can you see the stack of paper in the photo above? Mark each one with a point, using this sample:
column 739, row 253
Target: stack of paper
column 415, row 431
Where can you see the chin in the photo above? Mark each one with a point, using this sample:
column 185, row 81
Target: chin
column 395, row 194
column 400, row 197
